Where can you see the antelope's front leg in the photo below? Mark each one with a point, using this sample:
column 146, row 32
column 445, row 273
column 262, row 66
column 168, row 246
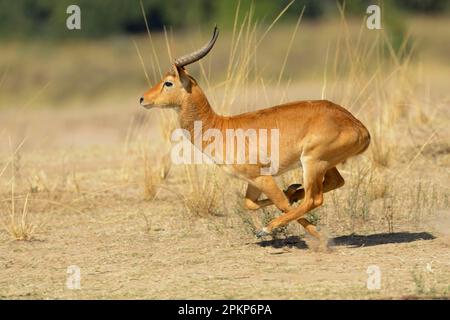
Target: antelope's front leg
column 251, row 201
column 275, row 195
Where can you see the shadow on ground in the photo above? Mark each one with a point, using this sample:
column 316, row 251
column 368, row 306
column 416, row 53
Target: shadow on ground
column 352, row 240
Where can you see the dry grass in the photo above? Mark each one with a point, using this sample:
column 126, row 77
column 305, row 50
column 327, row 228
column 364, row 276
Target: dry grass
column 201, row 196
column 18, row 225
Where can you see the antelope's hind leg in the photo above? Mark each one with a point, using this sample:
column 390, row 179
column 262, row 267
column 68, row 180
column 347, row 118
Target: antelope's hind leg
column 293, row 192
column 332, row 180
column 314, row 172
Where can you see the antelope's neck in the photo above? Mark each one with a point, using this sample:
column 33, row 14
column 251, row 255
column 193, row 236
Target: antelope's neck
column 197, row 111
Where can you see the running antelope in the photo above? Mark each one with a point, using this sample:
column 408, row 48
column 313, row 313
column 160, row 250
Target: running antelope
column 317, row 135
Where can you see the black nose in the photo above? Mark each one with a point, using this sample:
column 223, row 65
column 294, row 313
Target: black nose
column 141, row 100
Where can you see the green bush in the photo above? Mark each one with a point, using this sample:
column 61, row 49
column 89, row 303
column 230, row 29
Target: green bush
column 47, row 18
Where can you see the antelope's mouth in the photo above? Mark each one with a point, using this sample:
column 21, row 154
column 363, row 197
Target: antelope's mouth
column 147, row 105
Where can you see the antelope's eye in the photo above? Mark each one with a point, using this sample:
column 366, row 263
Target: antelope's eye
column 168, row 84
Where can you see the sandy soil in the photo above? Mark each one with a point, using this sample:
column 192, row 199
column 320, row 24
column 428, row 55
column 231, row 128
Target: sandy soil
column 127, row 247
column 136, row 249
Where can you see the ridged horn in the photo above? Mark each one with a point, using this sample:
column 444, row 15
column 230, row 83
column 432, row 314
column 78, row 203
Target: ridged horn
column 197, row 55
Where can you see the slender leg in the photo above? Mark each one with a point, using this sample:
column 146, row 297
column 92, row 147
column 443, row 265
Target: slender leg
column 309, row 227
column 316, row 183
column 332, row 181
column 313, row 180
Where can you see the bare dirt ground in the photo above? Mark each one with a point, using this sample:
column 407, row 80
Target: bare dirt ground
column 90, row 212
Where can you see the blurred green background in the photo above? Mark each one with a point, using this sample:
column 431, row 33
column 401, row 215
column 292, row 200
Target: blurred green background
column 46, row 18
column 110, row 59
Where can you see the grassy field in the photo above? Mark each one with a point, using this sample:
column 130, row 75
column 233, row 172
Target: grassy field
column 85, row 177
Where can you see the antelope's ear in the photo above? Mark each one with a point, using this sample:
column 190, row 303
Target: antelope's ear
column 183, row 76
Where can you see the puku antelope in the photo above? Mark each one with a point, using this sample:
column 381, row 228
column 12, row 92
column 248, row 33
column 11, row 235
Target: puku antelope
column 317, row 134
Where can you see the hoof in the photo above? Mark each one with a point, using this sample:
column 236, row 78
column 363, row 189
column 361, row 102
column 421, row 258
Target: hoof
column 291, row 190
column 262, row 233
column 294, row 186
